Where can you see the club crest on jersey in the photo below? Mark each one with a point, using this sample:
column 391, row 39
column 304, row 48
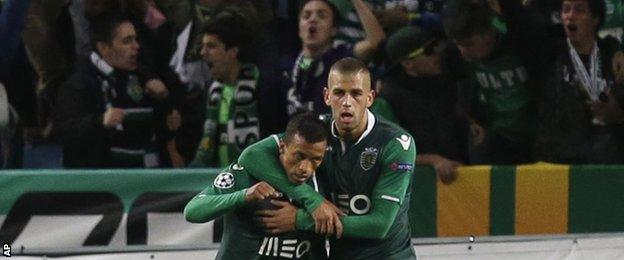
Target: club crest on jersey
column 368, row 158
column 224, row 180
column 133, row 87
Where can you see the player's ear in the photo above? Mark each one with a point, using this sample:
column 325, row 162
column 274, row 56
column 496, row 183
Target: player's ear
column 326, row 95
column 370, row 97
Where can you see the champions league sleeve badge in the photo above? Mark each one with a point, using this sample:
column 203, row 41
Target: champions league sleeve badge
column 368, row 158
column 224, row 180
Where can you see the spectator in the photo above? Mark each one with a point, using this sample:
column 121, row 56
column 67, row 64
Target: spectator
column 155, row 34
column 195, row 75
column 424, row 98
column 392, row 15
column 233, row 98
column 614, row 15
column 581, row 117
column 103, row 114
column 318, row 20
column 503, row 62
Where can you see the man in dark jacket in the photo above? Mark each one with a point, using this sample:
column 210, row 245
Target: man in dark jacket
column 424, row 99
column 104, row 116
column 581, row 119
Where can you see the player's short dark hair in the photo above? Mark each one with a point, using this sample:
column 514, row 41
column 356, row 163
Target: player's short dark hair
column 307, row 126
column 466, row 18
column 103, row 26
column 350, row 66
column 332, row 7
column 598, row 9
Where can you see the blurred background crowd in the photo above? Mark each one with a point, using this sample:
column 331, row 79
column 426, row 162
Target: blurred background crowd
column 191, row 83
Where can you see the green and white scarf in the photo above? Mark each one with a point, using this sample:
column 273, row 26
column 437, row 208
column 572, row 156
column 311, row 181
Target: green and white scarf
column 590, row 80
column 228, row 132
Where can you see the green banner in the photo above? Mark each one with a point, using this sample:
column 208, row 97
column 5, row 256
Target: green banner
column 483, row 201
column 125, row 184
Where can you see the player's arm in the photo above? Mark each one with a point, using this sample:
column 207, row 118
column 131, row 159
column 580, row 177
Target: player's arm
column 261, row 161
column 208, row 204
column 225, row 195
column 365, row 48
column 387, row 196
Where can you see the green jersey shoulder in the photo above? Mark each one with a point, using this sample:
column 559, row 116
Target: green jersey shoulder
column 233, row 178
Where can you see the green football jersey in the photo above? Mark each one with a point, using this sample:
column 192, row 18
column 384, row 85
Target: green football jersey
column 378, row 167
column 504, row 92
column 242, row 237
column 263, row 163
column 369, row 180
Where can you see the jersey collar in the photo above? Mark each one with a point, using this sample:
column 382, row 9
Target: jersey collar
column 276, row 139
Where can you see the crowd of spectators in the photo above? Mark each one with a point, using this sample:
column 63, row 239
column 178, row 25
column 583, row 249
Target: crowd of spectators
column 191, row 83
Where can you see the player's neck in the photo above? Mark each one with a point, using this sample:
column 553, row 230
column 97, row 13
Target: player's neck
column 355, row 134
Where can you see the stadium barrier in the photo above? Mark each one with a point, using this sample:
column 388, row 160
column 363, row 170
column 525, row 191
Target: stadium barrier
column 519, row 200
column 65, row 210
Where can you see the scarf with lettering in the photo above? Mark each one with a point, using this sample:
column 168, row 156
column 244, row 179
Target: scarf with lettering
column 223, row 142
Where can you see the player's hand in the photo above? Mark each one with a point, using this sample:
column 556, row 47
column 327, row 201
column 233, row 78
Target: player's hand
column 279, row 220
column 156, row 89
column 445, row 169
column 113, row 117
column 326, row 219
column 260, row 191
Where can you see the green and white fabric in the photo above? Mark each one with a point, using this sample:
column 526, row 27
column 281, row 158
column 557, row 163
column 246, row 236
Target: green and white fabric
column 231, row 120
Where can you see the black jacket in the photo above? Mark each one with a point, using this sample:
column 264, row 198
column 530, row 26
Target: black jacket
column 79, row 116
column 566, row 133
